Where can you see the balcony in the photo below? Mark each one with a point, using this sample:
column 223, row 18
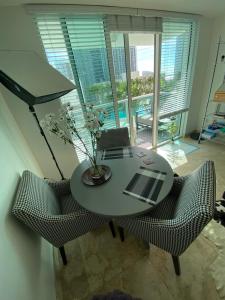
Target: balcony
column 142, row 120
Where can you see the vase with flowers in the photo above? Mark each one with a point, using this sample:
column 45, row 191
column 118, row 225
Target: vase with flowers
column 64, row 126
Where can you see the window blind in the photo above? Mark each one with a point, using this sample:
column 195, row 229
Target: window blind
column 177, row 54
column 75, row 46
column 134, row 23
column 87, row 48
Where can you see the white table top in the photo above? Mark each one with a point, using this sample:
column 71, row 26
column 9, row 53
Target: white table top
column 108, row 199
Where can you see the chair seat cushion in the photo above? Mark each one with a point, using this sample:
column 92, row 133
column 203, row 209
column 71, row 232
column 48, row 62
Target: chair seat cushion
column 69, row 205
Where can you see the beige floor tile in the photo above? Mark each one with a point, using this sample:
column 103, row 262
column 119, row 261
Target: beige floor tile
column 97, row 263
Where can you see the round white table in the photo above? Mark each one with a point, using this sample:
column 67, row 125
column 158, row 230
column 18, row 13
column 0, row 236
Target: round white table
column 108, row 199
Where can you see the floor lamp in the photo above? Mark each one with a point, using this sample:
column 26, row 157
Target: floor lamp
column 34, row 81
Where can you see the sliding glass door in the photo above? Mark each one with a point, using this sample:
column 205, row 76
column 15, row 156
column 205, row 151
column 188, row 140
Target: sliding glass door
column 133, row 64
column 142, row 79
column 120, row 77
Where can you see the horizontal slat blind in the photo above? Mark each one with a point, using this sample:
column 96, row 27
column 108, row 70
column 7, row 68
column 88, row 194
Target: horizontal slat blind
column 87, row 43
column 134, row 24
column 176, row 65
column 75, row 46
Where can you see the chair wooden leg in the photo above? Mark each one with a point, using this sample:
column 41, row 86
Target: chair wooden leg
column 121, row 232
column 176, row 264
column 63, row 255
column 112, row 228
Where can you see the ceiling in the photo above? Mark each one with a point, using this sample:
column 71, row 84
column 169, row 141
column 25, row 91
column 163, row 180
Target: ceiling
column 208, row 8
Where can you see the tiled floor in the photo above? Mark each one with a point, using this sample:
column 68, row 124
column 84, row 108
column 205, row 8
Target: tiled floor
column 99, row 263
column 176, row 152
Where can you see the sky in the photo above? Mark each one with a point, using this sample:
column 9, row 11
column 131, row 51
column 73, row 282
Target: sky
column 145, row 58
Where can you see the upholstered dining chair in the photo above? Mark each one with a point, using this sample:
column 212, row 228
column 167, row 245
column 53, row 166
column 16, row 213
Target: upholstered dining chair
column 48, row 208
column 118, row 137
column 178, row 219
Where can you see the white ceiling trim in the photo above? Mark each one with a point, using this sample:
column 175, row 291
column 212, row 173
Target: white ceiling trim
column 107, row 10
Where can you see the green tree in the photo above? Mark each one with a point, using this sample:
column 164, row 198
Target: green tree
column 140, row 86
column 101, row 92
column 121, row 88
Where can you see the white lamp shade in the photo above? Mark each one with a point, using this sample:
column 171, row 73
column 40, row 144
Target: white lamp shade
column 31, row 78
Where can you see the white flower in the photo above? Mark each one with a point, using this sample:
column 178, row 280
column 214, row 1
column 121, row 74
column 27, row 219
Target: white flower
column 90, row 116
column 51, row 123
column 61, row 117
column 70, row 108
column 43, row 124
column 49, row 116
column 87, row 125
column 63, row 109
column 98, row 134
column 89, row 106
column 65, row 121
column 50, row 127
column 93, row 124
column 61, row 133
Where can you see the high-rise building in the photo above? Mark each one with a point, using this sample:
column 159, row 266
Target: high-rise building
column 119, row 61
column 93, row 70
column 91, row 65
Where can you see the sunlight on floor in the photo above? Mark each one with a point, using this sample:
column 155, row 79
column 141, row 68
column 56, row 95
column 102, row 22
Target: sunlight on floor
column 175, row 153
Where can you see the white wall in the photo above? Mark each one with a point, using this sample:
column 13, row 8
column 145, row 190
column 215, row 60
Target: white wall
column 205, row 37
column 21, row 34
column 218, row 29
column 26, row 260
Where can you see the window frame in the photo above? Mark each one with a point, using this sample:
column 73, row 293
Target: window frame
column 157, row 65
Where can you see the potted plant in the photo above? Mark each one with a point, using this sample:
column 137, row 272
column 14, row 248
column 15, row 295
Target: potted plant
column 64, row 126
column 172, row 130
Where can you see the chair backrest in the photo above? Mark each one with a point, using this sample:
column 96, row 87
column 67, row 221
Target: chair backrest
column 34, row 199
column 118, row 137
column 198, row 195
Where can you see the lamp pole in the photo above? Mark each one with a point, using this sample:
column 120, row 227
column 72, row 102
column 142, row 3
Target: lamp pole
column 32, row 110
